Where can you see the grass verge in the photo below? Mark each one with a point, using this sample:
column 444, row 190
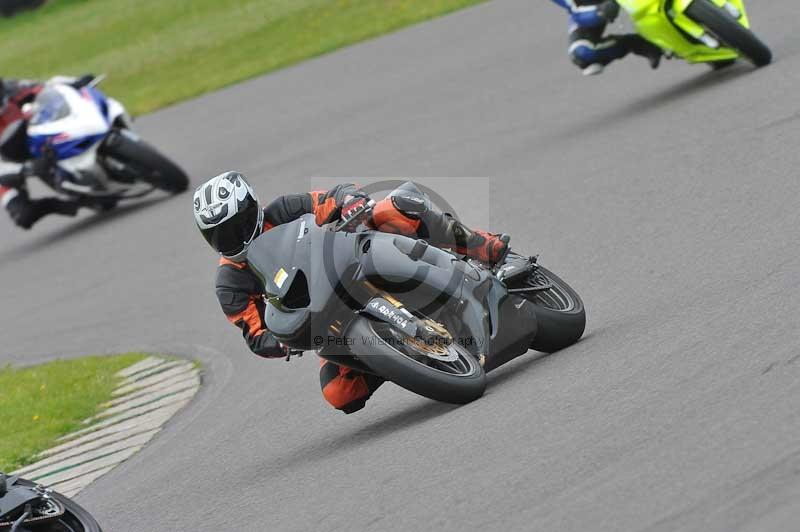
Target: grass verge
column 159, row 52
column 41, row 403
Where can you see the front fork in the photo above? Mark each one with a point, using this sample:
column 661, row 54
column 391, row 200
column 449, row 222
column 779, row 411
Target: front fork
column 677, row 13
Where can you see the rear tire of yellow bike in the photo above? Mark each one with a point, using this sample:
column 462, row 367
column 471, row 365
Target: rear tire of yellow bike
column 728, row 30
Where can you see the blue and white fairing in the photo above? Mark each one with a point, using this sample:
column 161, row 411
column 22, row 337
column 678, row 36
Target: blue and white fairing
column 73, row 122
column 70, row 121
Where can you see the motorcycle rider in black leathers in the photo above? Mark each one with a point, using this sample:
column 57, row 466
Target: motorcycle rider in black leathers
column 230, row 217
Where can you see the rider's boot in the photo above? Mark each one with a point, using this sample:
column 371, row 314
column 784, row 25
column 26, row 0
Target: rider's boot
column 446, row 231
column 97, row 204
column 26, row 212
column 481, row 245
column 640, row 46
column 408, row 211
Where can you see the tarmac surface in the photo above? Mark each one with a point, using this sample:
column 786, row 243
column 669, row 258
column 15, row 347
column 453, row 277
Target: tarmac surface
column 668, row 199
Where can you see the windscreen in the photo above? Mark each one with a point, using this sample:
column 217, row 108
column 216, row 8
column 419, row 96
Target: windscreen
column 49, row 106
column 277, row 254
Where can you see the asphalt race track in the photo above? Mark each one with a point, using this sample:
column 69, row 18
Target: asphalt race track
column 668, row 199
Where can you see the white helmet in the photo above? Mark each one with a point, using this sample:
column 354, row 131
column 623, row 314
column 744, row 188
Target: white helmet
column 228, row 214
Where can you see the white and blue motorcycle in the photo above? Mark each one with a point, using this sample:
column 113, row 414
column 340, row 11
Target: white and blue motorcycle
column 97, row 157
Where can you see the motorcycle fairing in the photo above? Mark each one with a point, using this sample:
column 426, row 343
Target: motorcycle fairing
column 70, row 121
column 514, row 330
column 15, row 498
column 309, row 255
column 478, row 308
column 425, row 276
column 665, row 23
column 305, row 248
column 400, row 318
column 117, row 113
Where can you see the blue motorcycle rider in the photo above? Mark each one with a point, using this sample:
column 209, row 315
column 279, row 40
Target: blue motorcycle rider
column 14, row 196
column 589, row 49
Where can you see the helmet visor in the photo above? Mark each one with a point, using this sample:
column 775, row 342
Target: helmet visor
column 232, row 236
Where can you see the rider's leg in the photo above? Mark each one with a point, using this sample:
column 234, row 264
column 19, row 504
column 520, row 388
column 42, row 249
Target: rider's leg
column 408, row 211
column 346, row 389
column 591, row 51
column 25, row 212
column 636, row 44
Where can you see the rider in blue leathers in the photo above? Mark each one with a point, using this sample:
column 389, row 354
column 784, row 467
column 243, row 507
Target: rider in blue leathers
column 589, row 49
column 14, row 197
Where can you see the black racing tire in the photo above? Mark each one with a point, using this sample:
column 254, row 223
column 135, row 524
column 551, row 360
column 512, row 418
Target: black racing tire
column 388, row 361
column 149, row 164
column 75, row 518
column 728, row 30
column 560, row 314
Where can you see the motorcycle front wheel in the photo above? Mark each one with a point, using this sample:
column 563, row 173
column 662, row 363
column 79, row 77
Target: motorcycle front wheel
column 446, row 373
column 74, row 519
column 728, row 30
column 144, row 161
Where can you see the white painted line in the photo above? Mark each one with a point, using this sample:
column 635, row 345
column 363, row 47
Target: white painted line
column 151, row 392
column 192, row 376
column 138, row 408
column 70, row 488
column 137, row 424
column 74, row 471
column 149, row 398
column 155, row 370
column 157, row 378
column 88, row 450
column 125, row 416
column 89, row 456
column 147, row 363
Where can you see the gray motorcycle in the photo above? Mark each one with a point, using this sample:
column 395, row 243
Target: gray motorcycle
column 422, row 317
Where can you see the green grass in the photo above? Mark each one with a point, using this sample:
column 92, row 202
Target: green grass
column 157, row 52
column 41, row 403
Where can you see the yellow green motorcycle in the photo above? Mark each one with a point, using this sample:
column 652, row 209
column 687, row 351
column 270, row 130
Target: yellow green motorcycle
column 698, row 31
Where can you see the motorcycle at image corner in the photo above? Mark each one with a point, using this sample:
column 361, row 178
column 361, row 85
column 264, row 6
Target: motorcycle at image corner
column 426, row 319
column 98, row 157
column 26, row 506
column 698, row 31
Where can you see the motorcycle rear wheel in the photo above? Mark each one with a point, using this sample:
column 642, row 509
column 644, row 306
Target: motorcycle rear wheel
column 560, row 314
column 729, row 31
column 403, row 362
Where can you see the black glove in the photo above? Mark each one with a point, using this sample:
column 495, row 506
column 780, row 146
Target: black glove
column 21, row 211
column 43, row 166
column 354, row 209
column 291, row 352
column 83, row 81
column 353, row 202
column 608, row 10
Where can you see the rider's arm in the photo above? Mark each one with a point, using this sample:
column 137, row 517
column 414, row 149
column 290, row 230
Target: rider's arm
column 325, row 205
column 583, row 16
column 241, row 301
